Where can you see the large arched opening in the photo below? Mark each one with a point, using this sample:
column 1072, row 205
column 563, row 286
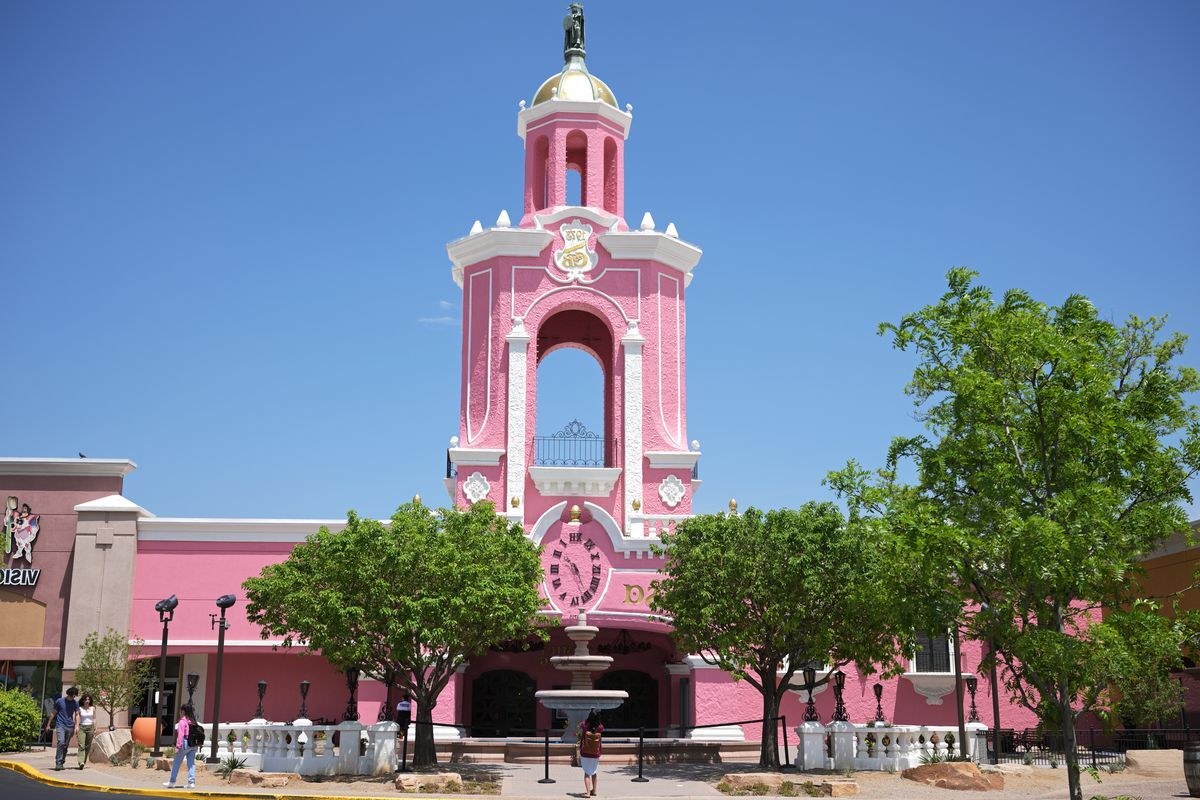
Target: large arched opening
column 574, row 402
column 503, row 703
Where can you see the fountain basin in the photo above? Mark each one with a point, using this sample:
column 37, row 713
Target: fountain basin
column 584, row 663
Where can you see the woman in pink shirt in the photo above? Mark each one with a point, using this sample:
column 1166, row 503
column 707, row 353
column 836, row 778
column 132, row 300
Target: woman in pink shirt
column 187, row 718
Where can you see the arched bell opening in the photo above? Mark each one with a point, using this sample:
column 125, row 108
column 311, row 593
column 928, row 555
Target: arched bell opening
column 573, row 404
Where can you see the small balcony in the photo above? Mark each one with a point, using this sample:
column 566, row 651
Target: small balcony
column 575, row 462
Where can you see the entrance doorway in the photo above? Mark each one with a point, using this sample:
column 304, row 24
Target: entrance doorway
column 503, row 704
column 641, row 709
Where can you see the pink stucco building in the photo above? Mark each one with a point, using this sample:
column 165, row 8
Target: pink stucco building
column 571, row 273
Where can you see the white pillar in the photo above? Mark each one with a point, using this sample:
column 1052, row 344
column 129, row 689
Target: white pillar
column 384, row 759
column 842, row 736
column 518, row 342
column 811, row 753
column 632, row 343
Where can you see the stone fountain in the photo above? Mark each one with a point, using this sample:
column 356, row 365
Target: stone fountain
column 581, row 697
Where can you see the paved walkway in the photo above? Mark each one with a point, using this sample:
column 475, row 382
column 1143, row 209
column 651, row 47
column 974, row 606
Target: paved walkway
column 682, row 781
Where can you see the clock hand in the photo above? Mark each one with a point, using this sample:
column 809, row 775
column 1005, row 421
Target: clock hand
column 575, row 572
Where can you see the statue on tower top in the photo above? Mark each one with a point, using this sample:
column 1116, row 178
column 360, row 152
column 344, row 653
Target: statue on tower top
column 573, row 32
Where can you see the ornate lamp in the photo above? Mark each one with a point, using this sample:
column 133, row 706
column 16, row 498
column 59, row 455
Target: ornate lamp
column 810, row 710
column 878, row 689
column 262, row 692
column 193, row 680
column 839, row 709
column 972, row 684
column 351, row 713
column 304, row 699
column 385, row 710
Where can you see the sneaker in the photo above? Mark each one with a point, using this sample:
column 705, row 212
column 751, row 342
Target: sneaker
column 169, row 785
column 191, row 786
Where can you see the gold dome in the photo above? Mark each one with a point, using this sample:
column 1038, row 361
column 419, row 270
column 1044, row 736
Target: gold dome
column 575, row 83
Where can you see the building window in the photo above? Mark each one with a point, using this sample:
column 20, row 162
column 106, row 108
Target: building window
column 933, row 653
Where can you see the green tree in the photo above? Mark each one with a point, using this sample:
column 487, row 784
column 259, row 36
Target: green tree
column 417, row 596
column 1151, row 646
column 19, row 719
column 111, row 673
column 762, row 594
column 1058, row 451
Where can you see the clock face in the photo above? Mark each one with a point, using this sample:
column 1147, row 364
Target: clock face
column 576, row 571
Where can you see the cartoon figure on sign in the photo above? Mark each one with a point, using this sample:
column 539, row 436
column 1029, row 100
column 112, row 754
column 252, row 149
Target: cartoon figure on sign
column 25, row 530
column 10, row 516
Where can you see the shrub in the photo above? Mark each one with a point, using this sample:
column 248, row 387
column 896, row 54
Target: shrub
column 229, row 764
column 19, row 719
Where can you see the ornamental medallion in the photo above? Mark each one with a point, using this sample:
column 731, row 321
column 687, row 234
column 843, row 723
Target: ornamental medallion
column 575, row 258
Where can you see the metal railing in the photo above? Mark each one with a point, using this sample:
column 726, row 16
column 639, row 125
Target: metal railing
column 1094, row 747
column 575, row 446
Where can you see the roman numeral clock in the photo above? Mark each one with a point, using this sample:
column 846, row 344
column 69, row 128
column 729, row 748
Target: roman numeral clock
column 577, row 567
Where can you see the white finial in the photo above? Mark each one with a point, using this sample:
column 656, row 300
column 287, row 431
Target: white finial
column 476, row 227
column 674, row 234
column 695, row 445
column 503, row 221
column 521, row 105
column 554, row 93
column 647, row 222
column 454, row 441
column 629, row 109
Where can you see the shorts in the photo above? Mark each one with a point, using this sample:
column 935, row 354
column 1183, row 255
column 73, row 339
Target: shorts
column 590, row 765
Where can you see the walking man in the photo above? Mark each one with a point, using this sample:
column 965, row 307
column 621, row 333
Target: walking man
column 63, row 720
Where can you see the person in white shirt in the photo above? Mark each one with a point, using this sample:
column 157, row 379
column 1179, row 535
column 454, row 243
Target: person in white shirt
column 85, row 726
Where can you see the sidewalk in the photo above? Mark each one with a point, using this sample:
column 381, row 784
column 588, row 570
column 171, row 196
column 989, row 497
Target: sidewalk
column 520, row 782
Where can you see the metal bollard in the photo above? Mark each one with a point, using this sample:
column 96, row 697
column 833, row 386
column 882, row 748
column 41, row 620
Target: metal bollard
column 547, row 779
column 404, row 754
column 787, row 762
column 641, row 755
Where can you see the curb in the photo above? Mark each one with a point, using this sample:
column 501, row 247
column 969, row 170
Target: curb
column 191, row 794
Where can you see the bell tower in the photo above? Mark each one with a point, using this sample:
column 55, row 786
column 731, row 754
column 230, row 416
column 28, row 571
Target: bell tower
column 572, row 274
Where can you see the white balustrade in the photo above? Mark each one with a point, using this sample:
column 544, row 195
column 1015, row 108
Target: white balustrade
column 345, row 749
column 652, row 526
column 843, row 745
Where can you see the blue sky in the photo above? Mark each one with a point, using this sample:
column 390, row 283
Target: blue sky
column 222, row 225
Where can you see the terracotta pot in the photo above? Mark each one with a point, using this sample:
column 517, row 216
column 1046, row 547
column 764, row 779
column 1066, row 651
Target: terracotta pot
column 143, row 730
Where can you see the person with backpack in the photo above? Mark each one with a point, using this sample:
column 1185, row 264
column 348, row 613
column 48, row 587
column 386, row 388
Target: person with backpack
column 189, row 736
column 589, row 750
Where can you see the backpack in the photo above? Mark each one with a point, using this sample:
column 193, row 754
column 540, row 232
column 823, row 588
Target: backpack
column 195, row 737
column 589, row 746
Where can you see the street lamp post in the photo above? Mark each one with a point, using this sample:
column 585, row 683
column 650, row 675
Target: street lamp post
column 224, row 602
column 878, row 689
column 166, row 613
column 262, row 692
column 839, row 708
column 972, row 685
column 810, row 710
column 351, row 713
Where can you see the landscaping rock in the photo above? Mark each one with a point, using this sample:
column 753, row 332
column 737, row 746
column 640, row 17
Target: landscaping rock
column 1154, row 763
column 110, row 743
column 955, row 775
column 272, row 780
column 744, row 780
column 428, row 782
column 1007, row 769
column 839, row 788
column 163, row 764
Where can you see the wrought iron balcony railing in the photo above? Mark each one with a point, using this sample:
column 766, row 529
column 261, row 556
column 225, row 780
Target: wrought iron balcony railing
column 575, row 446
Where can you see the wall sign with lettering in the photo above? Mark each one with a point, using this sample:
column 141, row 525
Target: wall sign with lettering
column 21, row 527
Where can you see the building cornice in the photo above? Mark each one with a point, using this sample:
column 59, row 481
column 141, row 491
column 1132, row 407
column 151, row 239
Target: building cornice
column 652, row 246
column 673, row 459
column 475, row 456
column 113, row 504
column 493, row 242
column 213, row 529
column 574, row 111
column 104, row 467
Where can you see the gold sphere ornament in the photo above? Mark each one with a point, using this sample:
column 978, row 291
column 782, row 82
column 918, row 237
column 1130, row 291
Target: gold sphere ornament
column 732, row 506
column 637, row 504
column 416, row 499
column 575, row 512
column 515, row 502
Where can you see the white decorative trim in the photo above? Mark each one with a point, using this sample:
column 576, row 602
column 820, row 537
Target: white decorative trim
column 192, row 529
column 672, row 459
column 599, row 216
column 110, row 467
column 631, row 344
column 113, row 504
column 718, row 733
column 518, row 346
column 578, row 481
column 487, row 409
column 677, row 436
column 471, row 249
column 213, row 643
column 604, row 270
column 475, row 456
column 576, row 287
column 450, row 487
column 575, row 258
column 933, row 686
column 671, row 490
column 620, row 544
column 652, row 246
column 592, row 108
column 677, row 669
column 476, row 487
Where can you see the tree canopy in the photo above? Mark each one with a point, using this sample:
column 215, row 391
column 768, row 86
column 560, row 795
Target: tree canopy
column 1057, row 454
column 109, row 671
column 762, row 594
column 415, row 597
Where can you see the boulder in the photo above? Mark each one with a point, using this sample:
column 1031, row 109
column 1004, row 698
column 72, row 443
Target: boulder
column 744, row 780
column 955, row 775
column 1154, row 763
column 1007, row 769
column 117, row 743
column 273, row 780
column 428, row 782
column 163, row 764
column 845, row 788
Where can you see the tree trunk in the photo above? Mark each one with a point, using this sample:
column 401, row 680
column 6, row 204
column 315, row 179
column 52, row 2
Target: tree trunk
column 1070, row 754
column 424, row 752
column 768, row 754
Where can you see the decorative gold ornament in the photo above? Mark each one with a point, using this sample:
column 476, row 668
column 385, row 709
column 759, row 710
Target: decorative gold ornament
column 732, row 506
column 637, row 504
column 575, row 512
column 515, row 502
column 416, row 499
